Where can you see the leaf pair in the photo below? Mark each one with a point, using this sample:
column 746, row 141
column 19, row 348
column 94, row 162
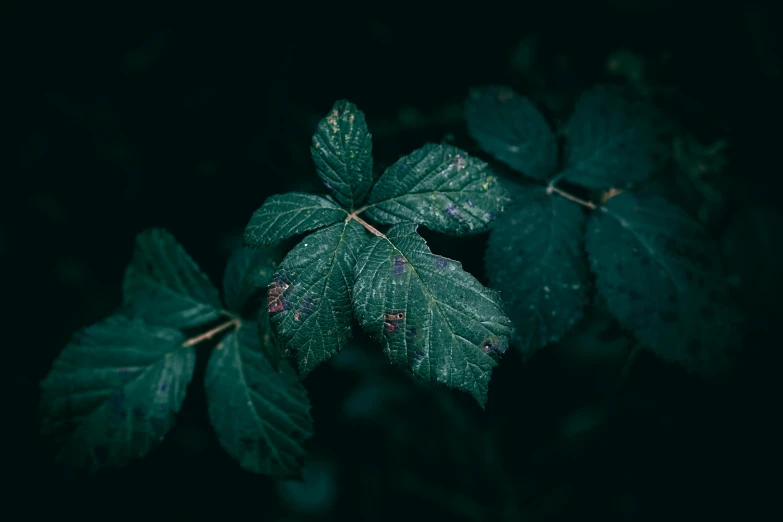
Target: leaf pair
column 430, row 315
column 656, row 270
column 114, row 391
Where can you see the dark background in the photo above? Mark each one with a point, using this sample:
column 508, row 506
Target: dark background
column 127, row 117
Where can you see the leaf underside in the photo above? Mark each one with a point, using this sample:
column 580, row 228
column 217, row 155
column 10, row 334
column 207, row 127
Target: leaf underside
column 342, row 152
column 430, row 315
column 114, row 391
column 510, row 128
column 659, row 274
column 440, row 187
column 612, row 140
column 261, row 413
column 310, row 294
column 164, row 286
column 535, row 258
column 286, row 215
column 248, row 273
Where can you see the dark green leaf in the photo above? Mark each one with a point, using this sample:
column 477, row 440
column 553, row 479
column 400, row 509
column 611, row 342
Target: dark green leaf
column 164, row 286
column 114, row 391
column 261, row 414
column 659, row 274
column 440, row 187
column 247, row 274
column 535, row 258
column 430, row 315
column 596, row 339
column 612, row 140
column 342, row 152
column 310, row 294
column 286, row 215
column 509, row 127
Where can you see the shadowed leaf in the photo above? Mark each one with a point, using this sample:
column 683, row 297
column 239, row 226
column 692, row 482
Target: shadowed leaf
column 114, row 391
column 261, row 413
column 659, row 275
column 248, row 273
column 509, row 127
column 535, row 259
column 164, row 286
column 612, row 140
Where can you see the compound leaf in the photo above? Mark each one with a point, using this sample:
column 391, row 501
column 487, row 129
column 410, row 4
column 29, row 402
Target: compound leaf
column 659, row 275
column 114, row 391
column 248, row 273
column 260, row 412
column 440, row 187
column 310, row 294
column 612, row 140
column 535, row 258
column 509, row 127
column 164, row 286
column 286, row 215
column 430, row 315
column 342, row 152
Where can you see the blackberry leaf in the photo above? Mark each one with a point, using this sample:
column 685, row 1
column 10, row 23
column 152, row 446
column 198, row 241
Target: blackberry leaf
column 535, row 258
column 509, row 127
column 114, row 391
column 284, row 216
column 430, row 315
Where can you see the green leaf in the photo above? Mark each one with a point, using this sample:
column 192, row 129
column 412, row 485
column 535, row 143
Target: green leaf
column 310, row 294
column 261, row 414
column 659, row 274
column 286, row 215
column 164, row 286
column 114, row 391
column 342, row 152
column 430, row 315
column 535, row 258
column 440, row 187
column 612, row 140
column 248, row 273
column 509, row 127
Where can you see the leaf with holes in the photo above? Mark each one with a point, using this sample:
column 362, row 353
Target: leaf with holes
column 342, row 153
column 247, row 275
column 430, row 315
column 612, row 140
column 310, row 294
column 261, row 413
column 509, row 127
column 535, row 259
column 164, row 286
column 114, row 391
column 440, row 187
column 660, row 276
column 284, row 216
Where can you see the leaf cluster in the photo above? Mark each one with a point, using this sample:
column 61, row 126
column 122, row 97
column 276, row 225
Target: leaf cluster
column 429, row 315
column 114, row 392
column 652, row 267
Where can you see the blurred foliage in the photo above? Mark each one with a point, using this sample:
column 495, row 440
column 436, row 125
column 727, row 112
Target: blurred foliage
column 188, row 120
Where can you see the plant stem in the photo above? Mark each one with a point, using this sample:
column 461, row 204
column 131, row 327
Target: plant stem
column 213, row 332
column 551, row 188
column 369, row 227
column 629, row 362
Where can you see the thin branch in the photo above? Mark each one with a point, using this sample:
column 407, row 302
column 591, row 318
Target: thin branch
column 551, row 188
column 369, row 227
column 235, row 322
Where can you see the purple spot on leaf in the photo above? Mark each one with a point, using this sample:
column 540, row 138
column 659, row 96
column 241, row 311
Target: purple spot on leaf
column 164, row 387
column 440, row 263
column 399, row 265
column 452, row 210
column 469, row 203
